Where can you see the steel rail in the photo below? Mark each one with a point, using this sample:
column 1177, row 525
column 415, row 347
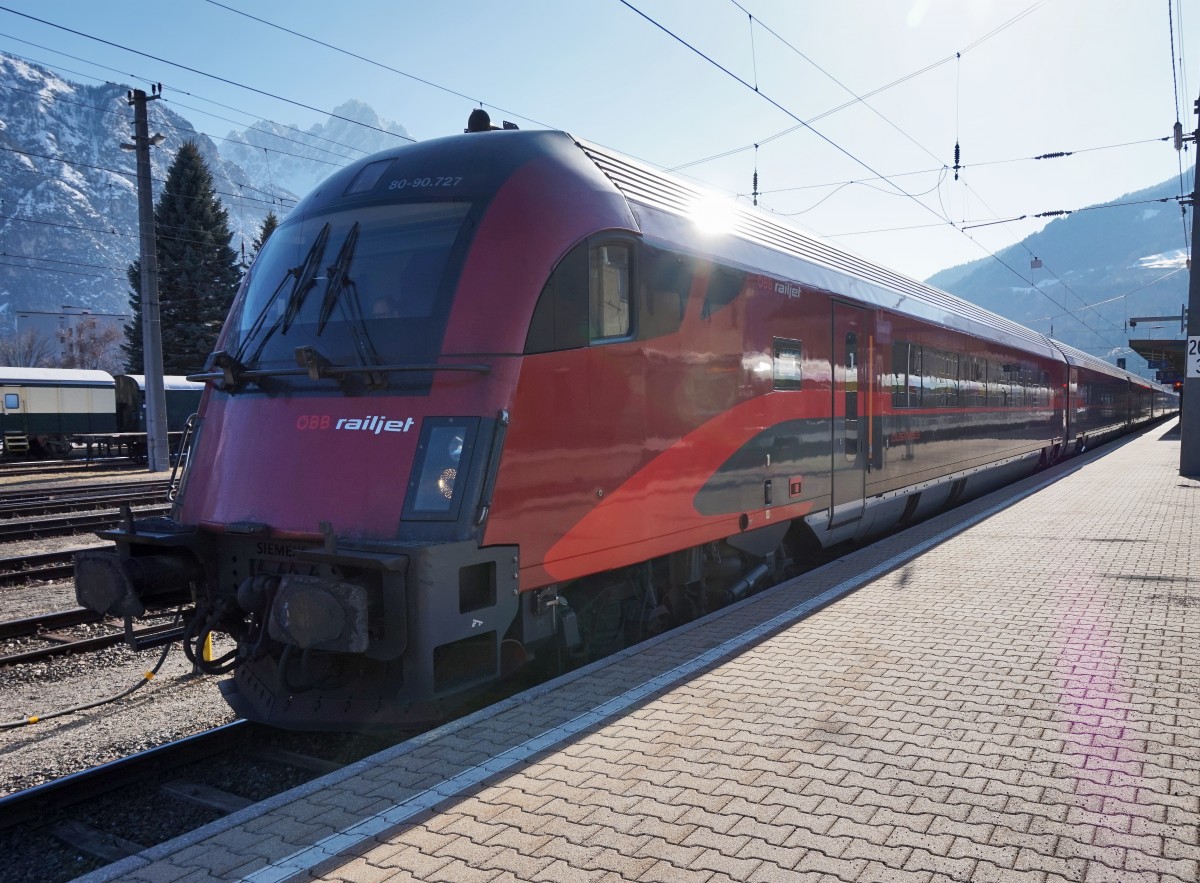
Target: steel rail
column 43, row 799
column 111, row 500
column 41, row 567
column 32, row 625
column 62, row 645
column 88, row 521
column 84, row 490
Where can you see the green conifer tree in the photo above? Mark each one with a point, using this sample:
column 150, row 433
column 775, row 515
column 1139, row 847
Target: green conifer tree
column 270, row 222
column 198, row 271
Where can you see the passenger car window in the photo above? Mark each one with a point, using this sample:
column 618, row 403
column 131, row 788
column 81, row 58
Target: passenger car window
column 787, row 364
column 906, row 375
column 12, row 400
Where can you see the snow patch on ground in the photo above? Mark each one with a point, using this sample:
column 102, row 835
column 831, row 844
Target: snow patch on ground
column 1172, row 260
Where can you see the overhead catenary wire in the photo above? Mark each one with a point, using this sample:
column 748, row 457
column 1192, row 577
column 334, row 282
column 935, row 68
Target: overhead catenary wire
column 129, row 174
column 844, row 151
column 783, row 214
column 958, row 165
column 174, row 102
column 768, row 99
column 199, row 72
column 1178, row 125
column 1042, row 263
column 1056, row 213
column 379, row 64
column 276, row 198
column 1118, row 297
column 941, row 170
column 308, row 135
column 54, row 270
column 107, row 232
column 858, row 98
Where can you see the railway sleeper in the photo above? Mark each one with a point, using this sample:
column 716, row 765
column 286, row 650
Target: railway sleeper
column 95, row 842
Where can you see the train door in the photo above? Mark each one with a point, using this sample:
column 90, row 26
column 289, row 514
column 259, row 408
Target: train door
column 1072, row 403
column 851, row 413
column 12, row 420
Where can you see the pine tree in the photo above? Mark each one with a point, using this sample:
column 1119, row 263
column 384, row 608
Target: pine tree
column 270, row 222
column 198, row 271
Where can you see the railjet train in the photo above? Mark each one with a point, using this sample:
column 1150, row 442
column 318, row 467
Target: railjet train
column 511, row 398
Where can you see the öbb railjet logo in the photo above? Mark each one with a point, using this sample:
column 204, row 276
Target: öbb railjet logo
column 374, row 424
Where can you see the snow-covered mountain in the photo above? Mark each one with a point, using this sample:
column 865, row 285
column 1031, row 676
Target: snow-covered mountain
column 68, row 194
column 1095, row 269
column 286, row 157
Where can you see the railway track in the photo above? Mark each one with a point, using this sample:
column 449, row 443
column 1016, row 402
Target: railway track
column 68, row 524
column 27, row 504
column 98, row 816
column 47, row 467
column 41, row 567
column 82, row 489
column 59, row 794
column 47, row 628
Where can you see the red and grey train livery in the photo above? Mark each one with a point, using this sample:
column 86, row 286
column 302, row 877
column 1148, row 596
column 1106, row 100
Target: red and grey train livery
column 511, row 397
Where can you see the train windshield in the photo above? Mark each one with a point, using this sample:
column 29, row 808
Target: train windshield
column 357, row 286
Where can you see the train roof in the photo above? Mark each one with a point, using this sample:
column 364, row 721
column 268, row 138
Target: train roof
column 665, row 209
column 831, row 268
column 1078, row 358
column 55, row 377
column 170, row 381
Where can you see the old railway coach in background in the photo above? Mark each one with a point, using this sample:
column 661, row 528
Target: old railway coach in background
column 42, row 409
column 510, row 398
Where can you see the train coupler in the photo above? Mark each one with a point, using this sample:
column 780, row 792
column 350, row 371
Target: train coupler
column 109, row 584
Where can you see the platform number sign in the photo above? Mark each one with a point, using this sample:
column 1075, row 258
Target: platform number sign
column 1193, row 357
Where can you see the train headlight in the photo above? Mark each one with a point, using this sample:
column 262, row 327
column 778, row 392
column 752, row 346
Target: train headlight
column 445, row 482
column 440, row 468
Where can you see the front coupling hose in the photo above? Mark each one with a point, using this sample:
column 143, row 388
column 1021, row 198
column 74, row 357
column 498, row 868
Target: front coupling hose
column 198, row 635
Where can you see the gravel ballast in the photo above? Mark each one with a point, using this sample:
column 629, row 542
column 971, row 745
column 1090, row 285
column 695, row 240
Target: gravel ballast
column 174, row 703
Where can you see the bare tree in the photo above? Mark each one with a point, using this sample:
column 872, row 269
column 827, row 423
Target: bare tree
column 97, row 347
column 27, row 349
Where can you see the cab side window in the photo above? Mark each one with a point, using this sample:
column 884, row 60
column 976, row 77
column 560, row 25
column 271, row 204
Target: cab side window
column 587, row 299
column 609, row 267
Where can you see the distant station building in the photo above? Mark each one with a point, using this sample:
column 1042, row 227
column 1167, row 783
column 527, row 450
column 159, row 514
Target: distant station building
column 79, row 337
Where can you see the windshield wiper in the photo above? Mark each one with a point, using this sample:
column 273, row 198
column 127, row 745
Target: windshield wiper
column 304, row 275
column 338, row 276
column 339, row 280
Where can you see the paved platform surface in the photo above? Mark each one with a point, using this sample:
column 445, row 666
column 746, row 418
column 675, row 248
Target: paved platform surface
column 1020, row 703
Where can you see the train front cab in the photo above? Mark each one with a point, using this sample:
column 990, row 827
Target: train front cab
column 340, row 483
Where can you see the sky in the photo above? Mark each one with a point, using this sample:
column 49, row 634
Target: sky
column 855, row 105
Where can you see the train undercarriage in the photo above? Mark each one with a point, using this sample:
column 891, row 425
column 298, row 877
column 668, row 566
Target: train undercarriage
column 349, row 635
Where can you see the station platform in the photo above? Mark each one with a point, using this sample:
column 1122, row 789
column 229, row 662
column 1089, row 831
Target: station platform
column 1007, row 692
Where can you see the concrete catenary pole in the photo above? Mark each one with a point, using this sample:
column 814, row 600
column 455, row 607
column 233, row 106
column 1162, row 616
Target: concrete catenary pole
column 1189, row 448
column 157, row 448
